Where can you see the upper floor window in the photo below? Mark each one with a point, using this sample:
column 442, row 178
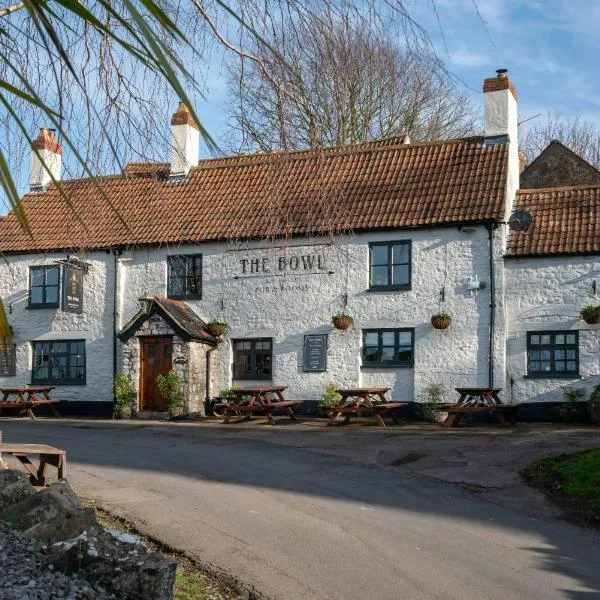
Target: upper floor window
column 553, row 354
column 8, row 359
column 59, row 362
column 388, row 347
column 44, row 285
column 390, row 267
column 253, row 359
column 184, row 276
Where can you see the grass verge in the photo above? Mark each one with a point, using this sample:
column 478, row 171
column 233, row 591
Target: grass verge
column 191, row 582
column 572, row 481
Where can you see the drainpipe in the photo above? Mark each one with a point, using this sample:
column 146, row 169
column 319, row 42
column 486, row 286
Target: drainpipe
column 490, row 228
column 116, row 254
column 207, row 384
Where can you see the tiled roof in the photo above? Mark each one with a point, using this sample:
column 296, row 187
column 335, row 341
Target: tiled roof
column 373, row 185
column 565, row 221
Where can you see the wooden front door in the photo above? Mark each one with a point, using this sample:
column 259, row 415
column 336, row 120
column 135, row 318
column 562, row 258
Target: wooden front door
column 156, row 355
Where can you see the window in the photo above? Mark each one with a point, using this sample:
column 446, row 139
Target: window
column 43, row 287
column 388, row 347
column 8, row 360
column 553, row 354
column 59, row 362
column 184, row 276
column 390, row 267
column 252, row 359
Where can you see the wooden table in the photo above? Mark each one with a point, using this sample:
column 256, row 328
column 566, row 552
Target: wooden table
column 370, row 401
column 47, row 455
column 479, row 400
column 259, row 399
column 27, row 398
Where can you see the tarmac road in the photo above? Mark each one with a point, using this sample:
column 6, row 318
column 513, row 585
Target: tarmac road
column 303, row 524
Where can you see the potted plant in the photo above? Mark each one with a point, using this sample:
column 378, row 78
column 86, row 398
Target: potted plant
column 341, row 320
column 170, row 388
column 431, row 408
column 572, row 410
column 441, row 320
column 591, row 314
column 123, row 387
column 329, row 398
column 216, row 328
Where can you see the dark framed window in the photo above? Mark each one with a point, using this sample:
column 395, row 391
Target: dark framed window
column 44, row 285
column 8, row 360
column 253, row 359
column 184, row 278
column 60, row 362
column 388, row 347
column 553, row 354
column 390, row 265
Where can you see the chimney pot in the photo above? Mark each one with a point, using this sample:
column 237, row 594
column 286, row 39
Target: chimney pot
column 501, row 72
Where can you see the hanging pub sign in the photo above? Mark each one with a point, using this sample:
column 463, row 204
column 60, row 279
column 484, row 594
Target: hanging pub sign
column 72, row 292
column 315, row 353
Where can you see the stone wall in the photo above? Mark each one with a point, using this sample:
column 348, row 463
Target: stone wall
column 547, row 294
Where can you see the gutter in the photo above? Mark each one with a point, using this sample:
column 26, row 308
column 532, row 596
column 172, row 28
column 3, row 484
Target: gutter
column 116, row 254
column 207, row 382
column 490, row 229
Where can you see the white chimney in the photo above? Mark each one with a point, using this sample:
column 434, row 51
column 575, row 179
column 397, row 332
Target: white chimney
column 50, row 152
column 185, row 141
column 500, row 123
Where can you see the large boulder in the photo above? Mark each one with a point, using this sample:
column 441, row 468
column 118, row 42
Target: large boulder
column 14, row 487
column 120, row 564
column 51, row 515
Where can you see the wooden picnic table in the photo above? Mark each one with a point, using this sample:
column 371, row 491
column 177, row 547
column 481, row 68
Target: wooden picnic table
column 47, row 455
column 370, row 401
column 27, row 398
column 261, row 400
column 473, row 400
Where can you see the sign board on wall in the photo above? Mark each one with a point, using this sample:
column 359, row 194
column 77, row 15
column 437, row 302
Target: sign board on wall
column 315, row 353
column 72, row 292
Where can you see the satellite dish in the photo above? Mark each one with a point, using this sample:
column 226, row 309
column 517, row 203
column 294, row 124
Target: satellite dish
column 519, row 221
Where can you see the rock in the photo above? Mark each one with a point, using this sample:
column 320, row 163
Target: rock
column 8, row 476
column 51, row 515
column 125, row 569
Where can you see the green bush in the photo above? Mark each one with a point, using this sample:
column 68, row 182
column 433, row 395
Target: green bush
column 123, row 387
column 594, row 405
column 435, row 397
column 170, row 387
column 330, row 397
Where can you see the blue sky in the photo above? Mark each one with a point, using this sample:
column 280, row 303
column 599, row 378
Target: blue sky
column 549, row 47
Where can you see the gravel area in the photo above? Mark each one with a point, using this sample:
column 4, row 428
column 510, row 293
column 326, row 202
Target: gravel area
column 24, row 577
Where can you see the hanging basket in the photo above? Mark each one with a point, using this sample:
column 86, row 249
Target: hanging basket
column 342, row 321
column 216, row 328
column 441, row 321
column 591, row 314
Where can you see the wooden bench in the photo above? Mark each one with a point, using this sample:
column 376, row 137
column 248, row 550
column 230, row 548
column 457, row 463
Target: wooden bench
column 259, row 403
column 47, row 455
column 27, row 398
column 502, row 412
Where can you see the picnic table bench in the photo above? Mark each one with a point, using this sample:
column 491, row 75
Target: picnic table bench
column 27, row 398
column 479, row 400
column 47, row 455
column 257, row 400
column 368, row 401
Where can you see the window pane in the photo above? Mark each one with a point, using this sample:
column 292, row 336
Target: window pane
column 59, row 347
column 263, row 364
column 387, row 353
column 545, row 354
column 534, row 339
column 559, row 338
column 405, row 355
column 388, row 338
column 534, row 355
column 559, row 365
column 571, row 354
column 243, row 364
column 545, row 365
column 400, row 274
column 52, row 276
column 544, row 340
column 571, row 365
column 534, row 365
column 379, row 276
column 400, row 253
column 51, row 295
column 37, row 295
column 405, row 338
column 371, row 338
column 263, row 345
column 570, row 338
column 559, row 354
column 379, row 255
column 372, row 354
column 37, row 277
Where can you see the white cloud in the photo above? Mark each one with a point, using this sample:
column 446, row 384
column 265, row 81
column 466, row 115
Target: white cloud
column 463, row 57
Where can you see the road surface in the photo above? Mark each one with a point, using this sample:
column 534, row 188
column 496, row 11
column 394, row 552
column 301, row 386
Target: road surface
column 300, row 524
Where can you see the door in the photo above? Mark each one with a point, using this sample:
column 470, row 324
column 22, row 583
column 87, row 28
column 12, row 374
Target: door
column 156, row 355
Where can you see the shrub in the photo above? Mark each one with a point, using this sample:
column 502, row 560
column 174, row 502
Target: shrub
column 594, row 405
column 123, row 387
column 170, row 388
column 435, row 397
column 330, row 397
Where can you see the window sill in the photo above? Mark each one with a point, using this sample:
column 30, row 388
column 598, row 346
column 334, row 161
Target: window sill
column 390, row 288
column 37, row 306
column 184, row 297
column 552, row 376
column 57, row 383
column 387, row 366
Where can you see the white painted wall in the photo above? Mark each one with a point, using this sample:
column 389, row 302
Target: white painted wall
column 94, row 325
column 547, row 294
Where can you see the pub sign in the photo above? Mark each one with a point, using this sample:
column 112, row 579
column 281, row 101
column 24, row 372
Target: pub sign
column 72, row 300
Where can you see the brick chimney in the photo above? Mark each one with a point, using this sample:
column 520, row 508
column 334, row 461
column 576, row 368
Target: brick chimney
column 185, row 141
column 50, row 152
column 500, row 125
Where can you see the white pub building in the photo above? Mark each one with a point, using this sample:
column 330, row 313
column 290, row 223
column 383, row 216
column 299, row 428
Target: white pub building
column 389, row 232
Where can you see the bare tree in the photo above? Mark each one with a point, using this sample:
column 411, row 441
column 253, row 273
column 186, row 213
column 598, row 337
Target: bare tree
column 583, row 137
column 330, row 79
